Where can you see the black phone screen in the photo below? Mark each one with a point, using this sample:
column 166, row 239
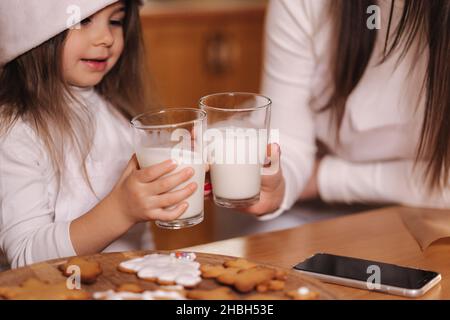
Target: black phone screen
column 362, row 270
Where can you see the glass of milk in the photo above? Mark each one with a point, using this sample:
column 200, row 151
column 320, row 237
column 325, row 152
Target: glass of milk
column 177, row 134
column 236, row 143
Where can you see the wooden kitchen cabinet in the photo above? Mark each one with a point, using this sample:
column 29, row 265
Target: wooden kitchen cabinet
column 195, row 48
column 199, row 47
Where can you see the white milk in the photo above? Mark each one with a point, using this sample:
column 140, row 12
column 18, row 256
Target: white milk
column 234, row 182
column 151, row 156
column 236, row 165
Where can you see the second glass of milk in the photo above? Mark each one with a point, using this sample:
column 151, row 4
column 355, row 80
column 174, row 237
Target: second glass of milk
column 236, row 138
column 177, row 134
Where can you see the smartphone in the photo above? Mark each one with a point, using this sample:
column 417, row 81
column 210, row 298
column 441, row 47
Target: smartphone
column 369, row 275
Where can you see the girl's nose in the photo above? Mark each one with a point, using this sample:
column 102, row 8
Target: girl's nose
column 103, row 36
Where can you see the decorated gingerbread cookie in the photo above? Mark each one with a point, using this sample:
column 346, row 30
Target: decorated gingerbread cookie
column 165, row 269
column 145, row 295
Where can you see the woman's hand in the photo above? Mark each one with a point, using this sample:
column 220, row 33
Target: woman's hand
column 272, row 186
column 311, row 190
column 208, row 186
column 145, row 194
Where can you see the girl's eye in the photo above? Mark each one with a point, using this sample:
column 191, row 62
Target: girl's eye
column 85, row 21
column 117, row 23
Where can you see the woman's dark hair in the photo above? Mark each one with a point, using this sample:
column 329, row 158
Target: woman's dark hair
column 353, row 47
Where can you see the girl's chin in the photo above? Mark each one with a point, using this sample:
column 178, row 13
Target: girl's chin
column 86, row 81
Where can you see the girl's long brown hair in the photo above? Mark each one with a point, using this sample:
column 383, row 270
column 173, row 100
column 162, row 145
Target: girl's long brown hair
column 354, row 44
column 32, row 89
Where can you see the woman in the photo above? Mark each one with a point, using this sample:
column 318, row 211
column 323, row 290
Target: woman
column 378, row 100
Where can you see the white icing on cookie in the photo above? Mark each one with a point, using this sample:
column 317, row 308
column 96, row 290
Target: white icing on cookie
column 166, row 269
column 303, row 291
column 146, row 295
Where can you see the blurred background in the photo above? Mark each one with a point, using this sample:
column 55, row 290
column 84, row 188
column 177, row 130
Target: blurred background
column 199, row 47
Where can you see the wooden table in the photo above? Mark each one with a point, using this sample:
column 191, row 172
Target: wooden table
column 378, row 235
column 111, row 277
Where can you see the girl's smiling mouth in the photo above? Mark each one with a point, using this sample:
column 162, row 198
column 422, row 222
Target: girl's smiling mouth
column 97, row 64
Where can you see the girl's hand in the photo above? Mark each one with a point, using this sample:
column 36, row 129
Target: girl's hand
column 272, row 186
column 145, row 194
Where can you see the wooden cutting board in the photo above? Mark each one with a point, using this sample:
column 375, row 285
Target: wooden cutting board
column 111, row 277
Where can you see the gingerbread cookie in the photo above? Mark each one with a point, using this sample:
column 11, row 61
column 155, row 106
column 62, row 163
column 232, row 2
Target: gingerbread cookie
column 246, row 280
column 239, row 263
column 245, row 275
column 271, row 285
column 302, row 293
column 211, row 271
column 172, row 288
column 165, row 269
column 262, row 296
column 281, row 275
column 221, row 293
column 33, row 289
column 129, row 287
column 89, row 270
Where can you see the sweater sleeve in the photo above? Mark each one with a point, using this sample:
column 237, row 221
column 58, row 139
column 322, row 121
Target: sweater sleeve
column 28, row 231
column 397, row 182
column 289, row 65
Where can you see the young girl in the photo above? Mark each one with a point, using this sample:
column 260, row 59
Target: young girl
column 374, row 90
column 67, row 184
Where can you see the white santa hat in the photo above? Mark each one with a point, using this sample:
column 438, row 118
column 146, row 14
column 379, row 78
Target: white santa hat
column 25, row 24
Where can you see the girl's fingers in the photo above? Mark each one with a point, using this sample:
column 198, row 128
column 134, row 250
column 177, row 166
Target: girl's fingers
column 170, row 214
column 174, row 197
column 166, row 184
column 156, row 171
column 131, row 166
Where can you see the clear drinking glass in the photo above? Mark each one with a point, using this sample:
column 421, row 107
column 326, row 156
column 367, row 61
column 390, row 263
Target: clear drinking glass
column 236, row 138
column 174, row 133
